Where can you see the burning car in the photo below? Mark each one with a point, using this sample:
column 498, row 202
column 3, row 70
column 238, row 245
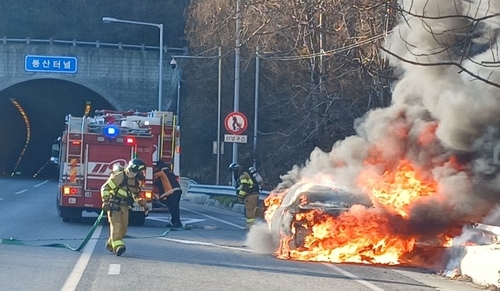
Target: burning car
column 290, row 218
column 387, row 220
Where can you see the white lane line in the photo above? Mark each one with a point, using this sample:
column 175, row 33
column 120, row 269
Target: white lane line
column 40, row 184
column 77, row 272
column 207, row 244
column 354, row 277
column 337, row 269
column 214, row 218
column 114, row 269
column 22, row 191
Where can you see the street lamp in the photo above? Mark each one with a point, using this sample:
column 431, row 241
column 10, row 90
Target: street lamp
column 160, row 74
column 173, row 65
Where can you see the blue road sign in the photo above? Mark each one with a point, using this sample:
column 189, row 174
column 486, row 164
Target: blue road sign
column 50, row 64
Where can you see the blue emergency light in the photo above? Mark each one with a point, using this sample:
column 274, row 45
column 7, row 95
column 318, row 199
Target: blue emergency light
column 111, row 131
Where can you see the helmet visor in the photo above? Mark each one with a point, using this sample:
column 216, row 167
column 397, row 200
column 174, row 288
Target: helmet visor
column 137, row 168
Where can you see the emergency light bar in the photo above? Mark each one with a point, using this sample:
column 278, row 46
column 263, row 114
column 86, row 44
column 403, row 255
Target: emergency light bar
column 111, row 131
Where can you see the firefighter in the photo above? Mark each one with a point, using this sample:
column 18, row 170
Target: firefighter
column 170, row 192
column 118, row 193
column 247, row 192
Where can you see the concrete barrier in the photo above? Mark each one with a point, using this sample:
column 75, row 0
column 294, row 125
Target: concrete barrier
column 482, row 264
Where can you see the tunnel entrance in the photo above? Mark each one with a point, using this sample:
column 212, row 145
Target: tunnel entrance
column 33, row 118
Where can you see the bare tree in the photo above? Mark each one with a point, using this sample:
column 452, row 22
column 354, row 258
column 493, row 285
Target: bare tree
column 320, row 69
column 464, row 35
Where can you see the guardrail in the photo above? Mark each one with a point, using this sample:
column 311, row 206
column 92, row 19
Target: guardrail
column 96, row 44
column 218, row 190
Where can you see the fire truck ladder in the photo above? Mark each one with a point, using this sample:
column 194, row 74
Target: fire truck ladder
column 165, row 152
column 74, row 151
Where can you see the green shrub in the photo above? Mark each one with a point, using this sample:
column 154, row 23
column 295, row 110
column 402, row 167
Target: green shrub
column 224, row 200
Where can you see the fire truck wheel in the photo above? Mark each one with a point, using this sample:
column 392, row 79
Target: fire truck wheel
column 58, row 207
column 70, row 214
column 136, row 218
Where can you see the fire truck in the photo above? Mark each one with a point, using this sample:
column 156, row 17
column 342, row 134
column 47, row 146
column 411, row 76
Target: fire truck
column 90, row 148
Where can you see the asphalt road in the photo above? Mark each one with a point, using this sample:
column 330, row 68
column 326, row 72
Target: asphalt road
column 209, row 256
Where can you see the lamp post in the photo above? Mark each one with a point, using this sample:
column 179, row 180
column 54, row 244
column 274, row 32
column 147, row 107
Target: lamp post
column 173, row 64
column 256, row 106
column 236, row 104
column 160, row 74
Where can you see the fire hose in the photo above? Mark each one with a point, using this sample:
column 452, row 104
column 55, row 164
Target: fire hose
column 13, row 241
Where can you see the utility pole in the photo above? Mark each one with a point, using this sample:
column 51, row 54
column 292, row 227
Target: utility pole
column 219, row 87
column 236, row 106
column 256, row 106
column 160, row 74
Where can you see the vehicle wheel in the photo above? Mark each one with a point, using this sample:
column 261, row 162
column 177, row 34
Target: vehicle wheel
column 70, row 214
column 58, row 207
column 136, row 218
column 299, row 235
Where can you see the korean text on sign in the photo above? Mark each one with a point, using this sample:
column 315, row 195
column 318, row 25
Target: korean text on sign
column 235, row 138
column 50, row 64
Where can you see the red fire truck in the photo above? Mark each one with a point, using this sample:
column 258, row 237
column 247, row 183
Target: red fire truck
column 91, row 147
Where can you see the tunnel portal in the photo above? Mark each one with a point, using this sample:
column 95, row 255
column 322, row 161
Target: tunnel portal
column 33, row 119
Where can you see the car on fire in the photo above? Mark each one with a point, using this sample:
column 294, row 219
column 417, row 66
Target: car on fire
column 303, row 197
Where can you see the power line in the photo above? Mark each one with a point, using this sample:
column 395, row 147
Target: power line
column 324, row 53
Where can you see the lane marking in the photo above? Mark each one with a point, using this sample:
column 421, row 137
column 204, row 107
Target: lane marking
column 206, row 244
column 40, row 184
column 214, row 218
column 337, row 269
column 354, row 277
column 81, row 264
column 22, row 191
column 114, row 269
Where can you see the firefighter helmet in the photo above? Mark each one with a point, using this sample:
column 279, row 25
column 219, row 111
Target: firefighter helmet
column 161, row 164
column 234, row 167
column 136, row 165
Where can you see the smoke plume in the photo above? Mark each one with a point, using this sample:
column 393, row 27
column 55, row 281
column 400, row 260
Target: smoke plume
column 442, row 117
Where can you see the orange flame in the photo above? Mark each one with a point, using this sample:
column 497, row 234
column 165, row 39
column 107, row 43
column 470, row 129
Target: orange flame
column 397, row 191
column 360, row 235
column 448, row 242
column 272, row 202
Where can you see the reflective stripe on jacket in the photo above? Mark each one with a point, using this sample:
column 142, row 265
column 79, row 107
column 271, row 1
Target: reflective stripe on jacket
column 245, row 184
column 112, row 187
column 165, row 183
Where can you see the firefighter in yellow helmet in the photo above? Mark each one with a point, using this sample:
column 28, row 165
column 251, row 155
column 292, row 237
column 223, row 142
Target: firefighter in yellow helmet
column 118, row 193
column 247, row 192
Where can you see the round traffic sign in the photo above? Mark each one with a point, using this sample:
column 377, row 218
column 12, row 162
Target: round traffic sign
column 236, row 123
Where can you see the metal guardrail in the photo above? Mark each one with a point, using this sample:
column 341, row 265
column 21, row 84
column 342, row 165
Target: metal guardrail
column 218, row 190
column 96, row 44
column 187, row 180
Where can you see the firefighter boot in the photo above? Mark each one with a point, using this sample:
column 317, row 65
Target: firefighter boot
column 109, row 247
column 249, row 224
column 120, row 250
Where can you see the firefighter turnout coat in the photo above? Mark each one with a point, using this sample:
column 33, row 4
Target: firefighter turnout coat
column 249, row 192
column 120, row 192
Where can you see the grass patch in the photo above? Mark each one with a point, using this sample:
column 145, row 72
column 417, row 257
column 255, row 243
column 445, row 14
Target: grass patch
column 224, row 200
